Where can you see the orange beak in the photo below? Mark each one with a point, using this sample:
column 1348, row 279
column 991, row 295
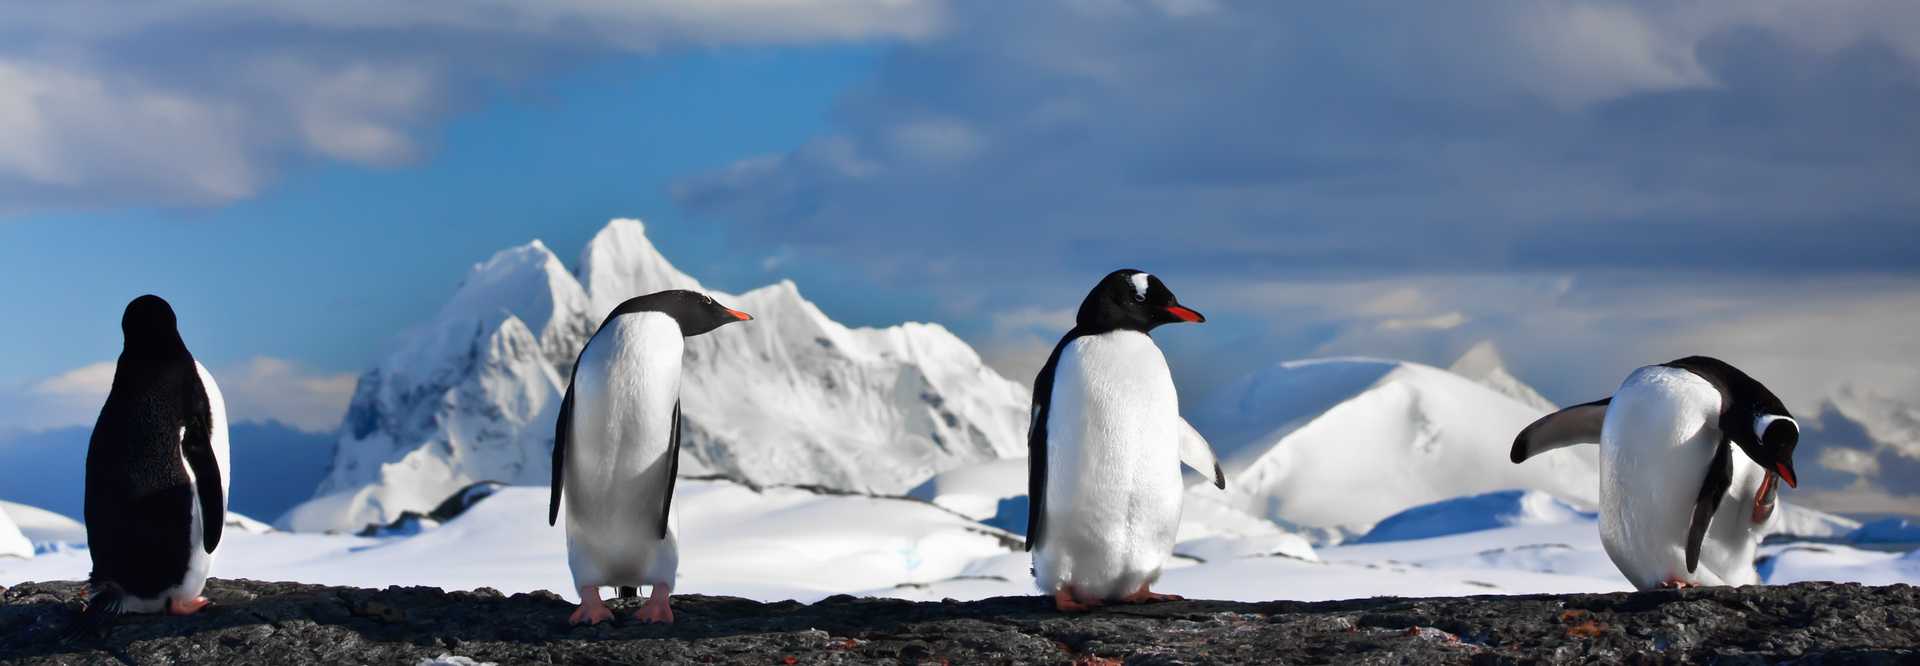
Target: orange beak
column 1185, row 314
column 1786, row 474
column 742, row 316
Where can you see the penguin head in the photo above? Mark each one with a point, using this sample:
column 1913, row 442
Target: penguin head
column 1775, row 435
column 1128, row 299
column 149, row 326
column 696, row 313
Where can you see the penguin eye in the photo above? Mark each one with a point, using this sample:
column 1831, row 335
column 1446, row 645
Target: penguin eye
column 1139, row 297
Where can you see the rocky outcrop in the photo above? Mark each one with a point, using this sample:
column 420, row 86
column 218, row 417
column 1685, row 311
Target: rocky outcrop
column 290, row 623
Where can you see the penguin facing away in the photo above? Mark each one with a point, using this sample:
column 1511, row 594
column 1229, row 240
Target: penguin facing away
column 157, row 475
column 616, row 450
column 1105, row 448
column 1676, row 442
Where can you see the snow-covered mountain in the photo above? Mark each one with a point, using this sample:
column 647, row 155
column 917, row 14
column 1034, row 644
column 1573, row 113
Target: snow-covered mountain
column 1482, row 363
column 1344, row 443
column 12, row 542
column 790, row 398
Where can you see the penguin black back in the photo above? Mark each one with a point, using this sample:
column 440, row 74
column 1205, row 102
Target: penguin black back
column 139, row 497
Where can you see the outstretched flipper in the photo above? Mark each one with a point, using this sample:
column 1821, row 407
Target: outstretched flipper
column 562, row 431
column 1579, row 424
column 673, row 469
column 1712, row 490
column 1196, row 453
column 196, row 445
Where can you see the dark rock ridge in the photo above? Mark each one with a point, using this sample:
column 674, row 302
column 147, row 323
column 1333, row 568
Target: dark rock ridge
column 292, row 623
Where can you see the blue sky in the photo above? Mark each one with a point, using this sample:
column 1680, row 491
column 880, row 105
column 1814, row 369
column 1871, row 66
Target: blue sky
column 1591, row 185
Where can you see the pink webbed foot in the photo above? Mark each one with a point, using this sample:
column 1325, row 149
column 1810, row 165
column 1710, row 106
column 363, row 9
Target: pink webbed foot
column 175, row 607
column 591, row 610
column 1064, row 602
column 1675, row 584
column 657, row 610
column 590, row 614
column 1146, row 596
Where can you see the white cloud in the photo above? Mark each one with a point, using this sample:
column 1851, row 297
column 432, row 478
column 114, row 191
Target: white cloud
column 258, row 389
column 263, row 388
column 1851, row 461
column 202, row 102
column 1440, row 322
column 87, row 382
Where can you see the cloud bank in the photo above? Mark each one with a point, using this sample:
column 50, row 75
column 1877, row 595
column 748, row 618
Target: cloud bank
column 196, row 103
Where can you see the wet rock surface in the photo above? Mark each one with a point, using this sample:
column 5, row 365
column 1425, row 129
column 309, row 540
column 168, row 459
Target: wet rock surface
column 292, row 623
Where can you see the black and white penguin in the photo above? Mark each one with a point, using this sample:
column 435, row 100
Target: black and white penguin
column 616, row 450
column 1105, row 448
column 156, row 495
column 1676, row 441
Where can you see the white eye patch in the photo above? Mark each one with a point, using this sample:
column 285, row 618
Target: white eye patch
column 1764, row 421
column 1139, row 286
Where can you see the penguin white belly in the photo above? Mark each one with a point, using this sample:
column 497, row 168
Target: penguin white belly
column 199, row 561
column 1113, row 469
column 617, row 473
column 1658, row 439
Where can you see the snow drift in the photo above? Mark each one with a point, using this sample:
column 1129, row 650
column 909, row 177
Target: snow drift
column 12, row 542
column 1506, row 508
column 1346, row 442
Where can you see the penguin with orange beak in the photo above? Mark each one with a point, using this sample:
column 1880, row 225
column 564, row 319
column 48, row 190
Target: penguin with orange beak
column 616, row 450
column 1692, row 453
column 1105, row 448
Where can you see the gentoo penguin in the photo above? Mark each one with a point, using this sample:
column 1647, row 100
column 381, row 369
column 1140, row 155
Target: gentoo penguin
column 1105, row 447
column 616, row 450
column 156, row 493
column 1676, row 441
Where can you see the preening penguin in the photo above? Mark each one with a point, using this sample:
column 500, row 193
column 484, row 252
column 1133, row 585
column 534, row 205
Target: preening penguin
column 1676, row 441
column 1105, row 447
column 156, row 495
column 616, row 450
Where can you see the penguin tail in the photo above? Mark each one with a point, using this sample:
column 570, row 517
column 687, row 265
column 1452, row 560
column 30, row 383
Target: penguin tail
column 629, row 592
column 103, row 604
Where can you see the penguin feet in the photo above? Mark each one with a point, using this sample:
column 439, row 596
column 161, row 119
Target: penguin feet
column 594, row 613
column 654, row 613
column 591, row 610
column 1064, row 602
column 1675, row 584
column 657, row 610
column 1146, row 596
column 176, row 607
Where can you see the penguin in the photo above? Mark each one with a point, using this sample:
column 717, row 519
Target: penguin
column 1105, row 447
column 1692, row 453
column 616, row 450
column 157, row 475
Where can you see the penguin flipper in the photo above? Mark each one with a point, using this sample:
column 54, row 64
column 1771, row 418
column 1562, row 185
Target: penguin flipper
column 1579, row 424
column 196, row 445
column 1196, row 453
column 1712, row 490
column 673, row 469
column 1037, row 442
column 562, row 431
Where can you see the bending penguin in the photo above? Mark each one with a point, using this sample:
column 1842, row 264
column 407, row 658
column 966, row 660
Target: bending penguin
column 616, row 450
column 1691, row 456
column 1105, row 448
column 156, row 494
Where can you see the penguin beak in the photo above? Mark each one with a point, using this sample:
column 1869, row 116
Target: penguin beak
column 1785, row 469
column 742, row 316
column 1186, row 315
